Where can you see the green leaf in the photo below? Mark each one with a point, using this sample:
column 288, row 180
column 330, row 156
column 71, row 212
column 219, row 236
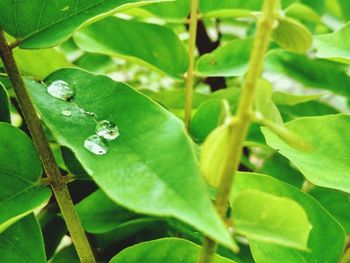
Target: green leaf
column 334, row 46
column 178, row 9
column 302, row 12
column 99, row 214
column 206, row 119
column 230, row 60
column 292, row 35
column 22, row 242
column 336, row 202
column 150, row 44
column 164, row 250
column 41, row 24
column 313, row 73
column 143, row 161
column 46, row 61
column 65, row 255
column 4, row 105
column 283, row 98
column 326, row 239
column 210, row 5
column 265, row 217
column 20, row 172
column 213, row 152
column 96, row 63
column 327, row 161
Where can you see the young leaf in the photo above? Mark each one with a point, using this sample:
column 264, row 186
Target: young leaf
column 4, row 105
column 334, row 46
column 326, row 239
column 327, row 162
column 150, row 44
column 292, row 35
column 20, row 172
column 22, row 242
column 41, row 24
column 269, row 218
column 173, row 10
column 230, row 60
column 213, row 150
column 283, row 98
column 164, row 250
column 150, row 168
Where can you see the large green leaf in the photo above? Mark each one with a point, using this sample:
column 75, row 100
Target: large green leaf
column 150, row 168
column 20, row 172
column 228, row 60
column 326, row 239
column 99, row 214
column 334, row 46
column 150, row 44
column 41, row 23
column 313, row 73
column 269, row 218
column 327, row 162
column 22, row 242
column 164, row 250
column 4, row 105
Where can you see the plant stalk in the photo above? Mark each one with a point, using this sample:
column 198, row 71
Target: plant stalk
column 41, row 143
column 190, row 72
column 346, row 257
column 239, row 131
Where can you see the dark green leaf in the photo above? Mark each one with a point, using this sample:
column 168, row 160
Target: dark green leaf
column 4, row 105
column 20, row 172
column 41, row 24
column 22, row 242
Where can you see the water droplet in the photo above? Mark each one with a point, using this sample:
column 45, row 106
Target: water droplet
column 90, row 114
column 60, row 90
column 107, row 130
column 95, row 145
column 66, row 112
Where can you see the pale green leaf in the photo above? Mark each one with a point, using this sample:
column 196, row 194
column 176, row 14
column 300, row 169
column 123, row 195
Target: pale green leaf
column 269, row 218
column 326, row 238
column 327, row 161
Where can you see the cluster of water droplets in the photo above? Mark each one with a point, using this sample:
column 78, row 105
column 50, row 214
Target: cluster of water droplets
column 105, row 130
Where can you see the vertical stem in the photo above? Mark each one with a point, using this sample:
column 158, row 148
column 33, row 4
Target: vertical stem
column 190, row 71
column 239, row 131
column 41, row 143
column 346, row 257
